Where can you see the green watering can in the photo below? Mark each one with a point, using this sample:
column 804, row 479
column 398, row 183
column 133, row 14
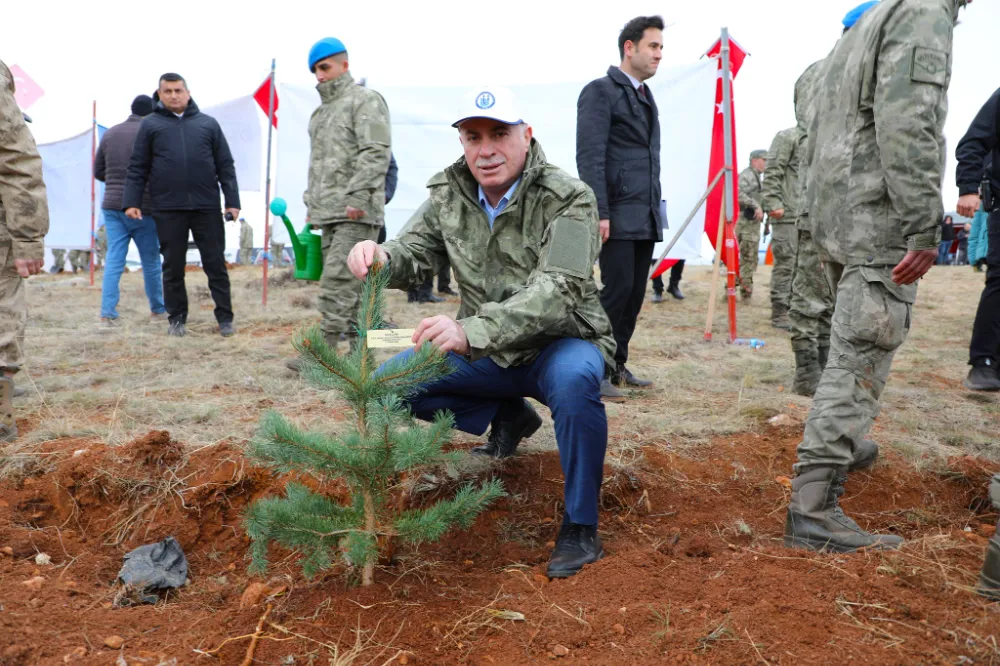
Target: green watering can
column 307, row 246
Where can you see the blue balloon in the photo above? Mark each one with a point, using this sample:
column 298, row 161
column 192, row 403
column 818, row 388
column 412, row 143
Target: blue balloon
column 278, row 206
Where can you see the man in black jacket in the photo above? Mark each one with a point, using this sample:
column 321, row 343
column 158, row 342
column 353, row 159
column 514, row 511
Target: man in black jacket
column 184, row 157
column 110, row 167
column 981, row 144
column 618, row 156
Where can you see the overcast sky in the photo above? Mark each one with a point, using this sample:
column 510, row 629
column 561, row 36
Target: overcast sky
column 113, row 50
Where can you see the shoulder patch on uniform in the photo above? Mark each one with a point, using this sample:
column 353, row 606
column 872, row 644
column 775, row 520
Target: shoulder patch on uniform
column 561, row 183
column 929, row 66
column 569, row 248
column 438, row 179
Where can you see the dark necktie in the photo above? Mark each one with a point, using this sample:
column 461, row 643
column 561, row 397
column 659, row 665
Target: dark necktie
column 642, row 90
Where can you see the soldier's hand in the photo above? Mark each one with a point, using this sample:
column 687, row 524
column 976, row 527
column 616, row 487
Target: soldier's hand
column 26, row 267
column 776, row 214
column 604, row 229
column 444, row 333
column 968, row 205
column 914, row 265
column 362, row 257
column 758, row 214
column 133, row 213
column 354, row 213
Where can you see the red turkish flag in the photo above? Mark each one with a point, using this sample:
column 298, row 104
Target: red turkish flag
column 717, row 160
column 263, row 97
column 26, row 91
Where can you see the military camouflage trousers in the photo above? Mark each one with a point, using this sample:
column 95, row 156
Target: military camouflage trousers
column 79, row 260
column 784, row 239
column 811, row 304
column 871, row 319
column 339, row 290
column 244, row 255
column 748, row 239
column 58, row 259
column 13, row 311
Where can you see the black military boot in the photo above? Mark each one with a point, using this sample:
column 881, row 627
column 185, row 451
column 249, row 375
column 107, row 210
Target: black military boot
column 982, row 377
column 674, row 290
column 657, row 297
column 815, row 520
column 622, row 376
column 807, row 372
column 576, row 546
column 515, row 421
column 865, row 455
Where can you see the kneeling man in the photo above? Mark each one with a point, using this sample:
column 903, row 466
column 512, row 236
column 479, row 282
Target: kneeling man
column 522, row 237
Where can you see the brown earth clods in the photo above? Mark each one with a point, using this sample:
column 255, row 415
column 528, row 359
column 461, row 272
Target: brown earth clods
column 694, row 574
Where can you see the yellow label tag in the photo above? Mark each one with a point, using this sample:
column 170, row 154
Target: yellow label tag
column 397, row 337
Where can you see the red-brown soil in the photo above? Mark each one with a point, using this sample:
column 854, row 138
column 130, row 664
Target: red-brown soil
column 683, row 583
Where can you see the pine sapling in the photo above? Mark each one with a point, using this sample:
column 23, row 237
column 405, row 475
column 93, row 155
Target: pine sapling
column 382, row 444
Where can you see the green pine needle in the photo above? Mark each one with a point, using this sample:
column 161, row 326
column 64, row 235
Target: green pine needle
column 434, row 522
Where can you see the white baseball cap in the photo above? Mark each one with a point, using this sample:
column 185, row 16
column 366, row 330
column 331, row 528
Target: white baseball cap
column 493, row 102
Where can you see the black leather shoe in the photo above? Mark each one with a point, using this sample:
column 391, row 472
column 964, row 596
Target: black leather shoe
column 429, row 298
column 982, row 377
column 676, row 292
column 177, row 329
column 577, row 545
column 624, row 377
column 447, row 291
column 657, row 298
column 227, row 330
column 508, row 429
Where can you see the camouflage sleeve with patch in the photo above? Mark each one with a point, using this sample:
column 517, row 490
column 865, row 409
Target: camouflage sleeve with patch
column 418, row 251
column 371, row 124
column 778, row 161
column 747, row 185
column 23, row 204
column 570, row 246
column 910, row 104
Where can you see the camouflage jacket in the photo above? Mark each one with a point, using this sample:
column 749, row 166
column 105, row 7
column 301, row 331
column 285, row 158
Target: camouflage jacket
column 750, row 190
column 875, row 147
column 246, row 235
column 804, row 96
column 349, row 136
column 526, row 283
column 781, row 177
column 24, row 209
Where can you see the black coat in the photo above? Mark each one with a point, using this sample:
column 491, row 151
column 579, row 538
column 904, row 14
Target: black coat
column 980, row 143
column 185, row 160
column 618, row 155
column 112, row 160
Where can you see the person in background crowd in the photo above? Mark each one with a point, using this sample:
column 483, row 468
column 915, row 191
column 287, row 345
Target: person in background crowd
column 962, row 257
column 674, row 289
column 751, row 189
column 245, row 254
column 779, row 200
column 618, row 156
column 101, row 244
column 111, row 167
column 58, row 261
column 277, row 247
column 183, row 156
column 24, row 221
column 947, row 239
column 79, row 261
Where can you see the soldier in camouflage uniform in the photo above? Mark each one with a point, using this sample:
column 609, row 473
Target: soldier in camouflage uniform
column 246, row 243
column 79, row 260
column 58, row 261
column 24, row 221
column 811, row 306
column 350, row 140
column 101, row 245
column 522, row 237
column 875, row 155
column 751, row 215
column 780, row 200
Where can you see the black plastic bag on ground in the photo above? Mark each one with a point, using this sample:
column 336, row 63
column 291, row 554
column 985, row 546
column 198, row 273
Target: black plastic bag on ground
column 153, row 567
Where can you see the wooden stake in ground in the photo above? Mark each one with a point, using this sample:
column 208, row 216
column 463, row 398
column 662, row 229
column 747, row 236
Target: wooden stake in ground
column 715, row 268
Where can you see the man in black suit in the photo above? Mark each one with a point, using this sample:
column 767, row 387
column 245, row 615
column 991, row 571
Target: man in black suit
column 618, row 156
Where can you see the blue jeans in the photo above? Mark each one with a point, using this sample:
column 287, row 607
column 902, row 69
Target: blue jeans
column 944, row 253
column 566, row 377
column 121, row 230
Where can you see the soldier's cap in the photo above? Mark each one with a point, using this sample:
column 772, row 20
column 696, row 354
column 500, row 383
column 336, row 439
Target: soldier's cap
column 852, row 16
column 323, row 49
column 493, row 102
column 27, row 118
column 758, row 154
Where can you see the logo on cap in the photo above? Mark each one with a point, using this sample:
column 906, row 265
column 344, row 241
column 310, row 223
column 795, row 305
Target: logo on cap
column 485, row 100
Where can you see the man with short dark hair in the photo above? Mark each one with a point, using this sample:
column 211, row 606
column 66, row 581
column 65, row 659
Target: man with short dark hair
column 183, row 156
column 521, row 236
column 111, row 167
column 618, row 156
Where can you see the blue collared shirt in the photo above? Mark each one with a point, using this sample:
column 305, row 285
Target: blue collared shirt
column 491, row 212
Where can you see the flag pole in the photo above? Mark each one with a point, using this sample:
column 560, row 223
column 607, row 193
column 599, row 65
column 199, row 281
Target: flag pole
column 730, row 163
column 93, row 187
column 267, row 186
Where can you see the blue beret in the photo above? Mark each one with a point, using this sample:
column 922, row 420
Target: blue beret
column 852, row 16
column 324, row 48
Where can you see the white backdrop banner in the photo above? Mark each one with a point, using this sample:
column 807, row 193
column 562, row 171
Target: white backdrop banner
column 241, row 122
column 67, row 171
column 424, row 142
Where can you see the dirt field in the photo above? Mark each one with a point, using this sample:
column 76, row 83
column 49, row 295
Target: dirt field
column 129, row 436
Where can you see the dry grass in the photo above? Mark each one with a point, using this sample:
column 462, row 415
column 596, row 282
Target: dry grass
column 117, row 385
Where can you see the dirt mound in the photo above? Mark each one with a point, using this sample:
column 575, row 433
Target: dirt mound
column 695, row 572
